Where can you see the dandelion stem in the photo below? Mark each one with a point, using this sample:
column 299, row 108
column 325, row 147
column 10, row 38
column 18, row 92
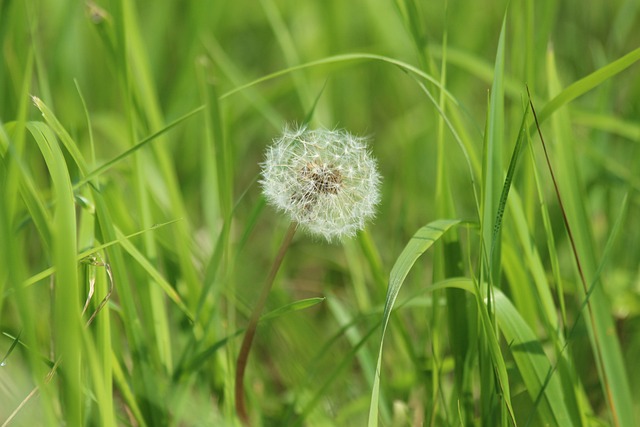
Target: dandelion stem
column 243, row 356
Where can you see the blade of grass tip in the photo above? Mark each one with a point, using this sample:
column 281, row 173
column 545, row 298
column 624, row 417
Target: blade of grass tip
column 19, row 180
column 606, row 346
column 422, row 240
column 493, row 164
column 515, row 155
column 62, row 133
column 13, row 345
column 67, row 320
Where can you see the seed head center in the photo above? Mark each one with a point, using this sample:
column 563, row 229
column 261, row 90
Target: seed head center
column 324, row 178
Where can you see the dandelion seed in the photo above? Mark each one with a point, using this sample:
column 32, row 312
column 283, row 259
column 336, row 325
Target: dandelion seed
column 326, row 181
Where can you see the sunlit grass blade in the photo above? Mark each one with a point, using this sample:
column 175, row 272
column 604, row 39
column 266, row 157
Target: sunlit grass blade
column 66, row 290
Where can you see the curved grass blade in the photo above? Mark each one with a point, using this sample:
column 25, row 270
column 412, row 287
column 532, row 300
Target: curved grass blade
column 349, row 57
column 422, row 240
column 66, row 318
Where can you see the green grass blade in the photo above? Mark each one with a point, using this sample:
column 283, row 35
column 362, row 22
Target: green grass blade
column 493, row 171
column 605, row 345
column 169, row 290
column 67, row 292
column 111, row 163
column 586, row 84
column 533, row 364
column 422, row 240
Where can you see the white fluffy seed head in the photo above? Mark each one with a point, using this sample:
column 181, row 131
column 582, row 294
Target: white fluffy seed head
column 325, row 180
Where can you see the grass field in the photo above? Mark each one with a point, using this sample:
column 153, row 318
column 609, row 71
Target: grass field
column 498, row 285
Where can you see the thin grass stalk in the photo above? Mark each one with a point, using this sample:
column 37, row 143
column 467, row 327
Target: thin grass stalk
column 243, row 356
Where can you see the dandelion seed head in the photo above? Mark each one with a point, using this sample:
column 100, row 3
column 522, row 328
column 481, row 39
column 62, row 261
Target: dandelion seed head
column 325, row 180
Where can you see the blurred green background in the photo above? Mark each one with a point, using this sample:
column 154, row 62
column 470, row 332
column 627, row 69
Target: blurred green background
column 141, row 65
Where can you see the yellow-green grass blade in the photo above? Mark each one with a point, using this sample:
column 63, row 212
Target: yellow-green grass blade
column 66, row 290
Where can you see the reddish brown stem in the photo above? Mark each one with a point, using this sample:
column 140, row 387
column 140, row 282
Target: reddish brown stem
column 245, row 348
